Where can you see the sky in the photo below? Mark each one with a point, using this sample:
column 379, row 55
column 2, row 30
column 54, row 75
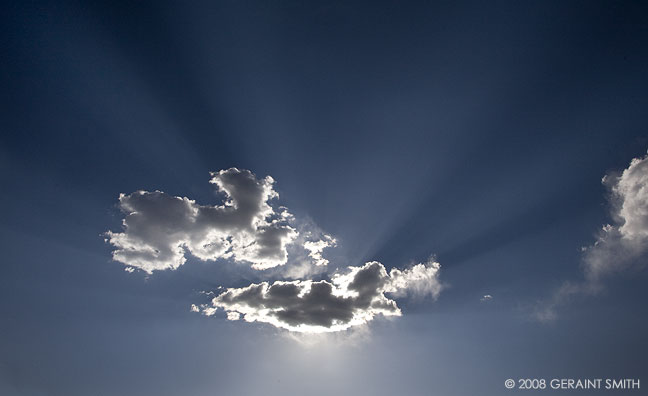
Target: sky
column 353, row 198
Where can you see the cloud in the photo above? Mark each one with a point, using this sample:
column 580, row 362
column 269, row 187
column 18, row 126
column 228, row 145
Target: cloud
column 233, row 316
column 308, row 254
column 419, row 281
column 620, row 246
column 486, row 298
column 315, row 249
column 159, row 229
column 349, row 299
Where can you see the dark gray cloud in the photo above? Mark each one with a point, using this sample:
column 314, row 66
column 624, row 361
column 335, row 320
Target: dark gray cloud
column 159, row 228
column 349, row 299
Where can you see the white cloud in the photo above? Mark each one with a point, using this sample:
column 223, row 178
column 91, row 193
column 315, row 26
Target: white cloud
column 160, row 228
column 233, row 316
column 315, row 249
column 349, row 299
column 308, row 254
column 419, row 281
column 631, row 190
column 620, row 246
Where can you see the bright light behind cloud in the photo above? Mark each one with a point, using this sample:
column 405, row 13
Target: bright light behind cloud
column 350, row 299
column 159, row 229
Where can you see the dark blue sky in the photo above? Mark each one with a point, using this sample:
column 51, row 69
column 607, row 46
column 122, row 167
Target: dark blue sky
column 477, row 132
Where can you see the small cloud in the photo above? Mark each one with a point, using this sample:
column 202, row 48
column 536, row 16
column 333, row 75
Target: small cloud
column 129, row 269
column 315, row 249
column 233, row 316
column 421, row 280
column 486, row 298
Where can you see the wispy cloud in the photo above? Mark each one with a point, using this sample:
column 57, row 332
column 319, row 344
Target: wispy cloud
column 620, row 246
